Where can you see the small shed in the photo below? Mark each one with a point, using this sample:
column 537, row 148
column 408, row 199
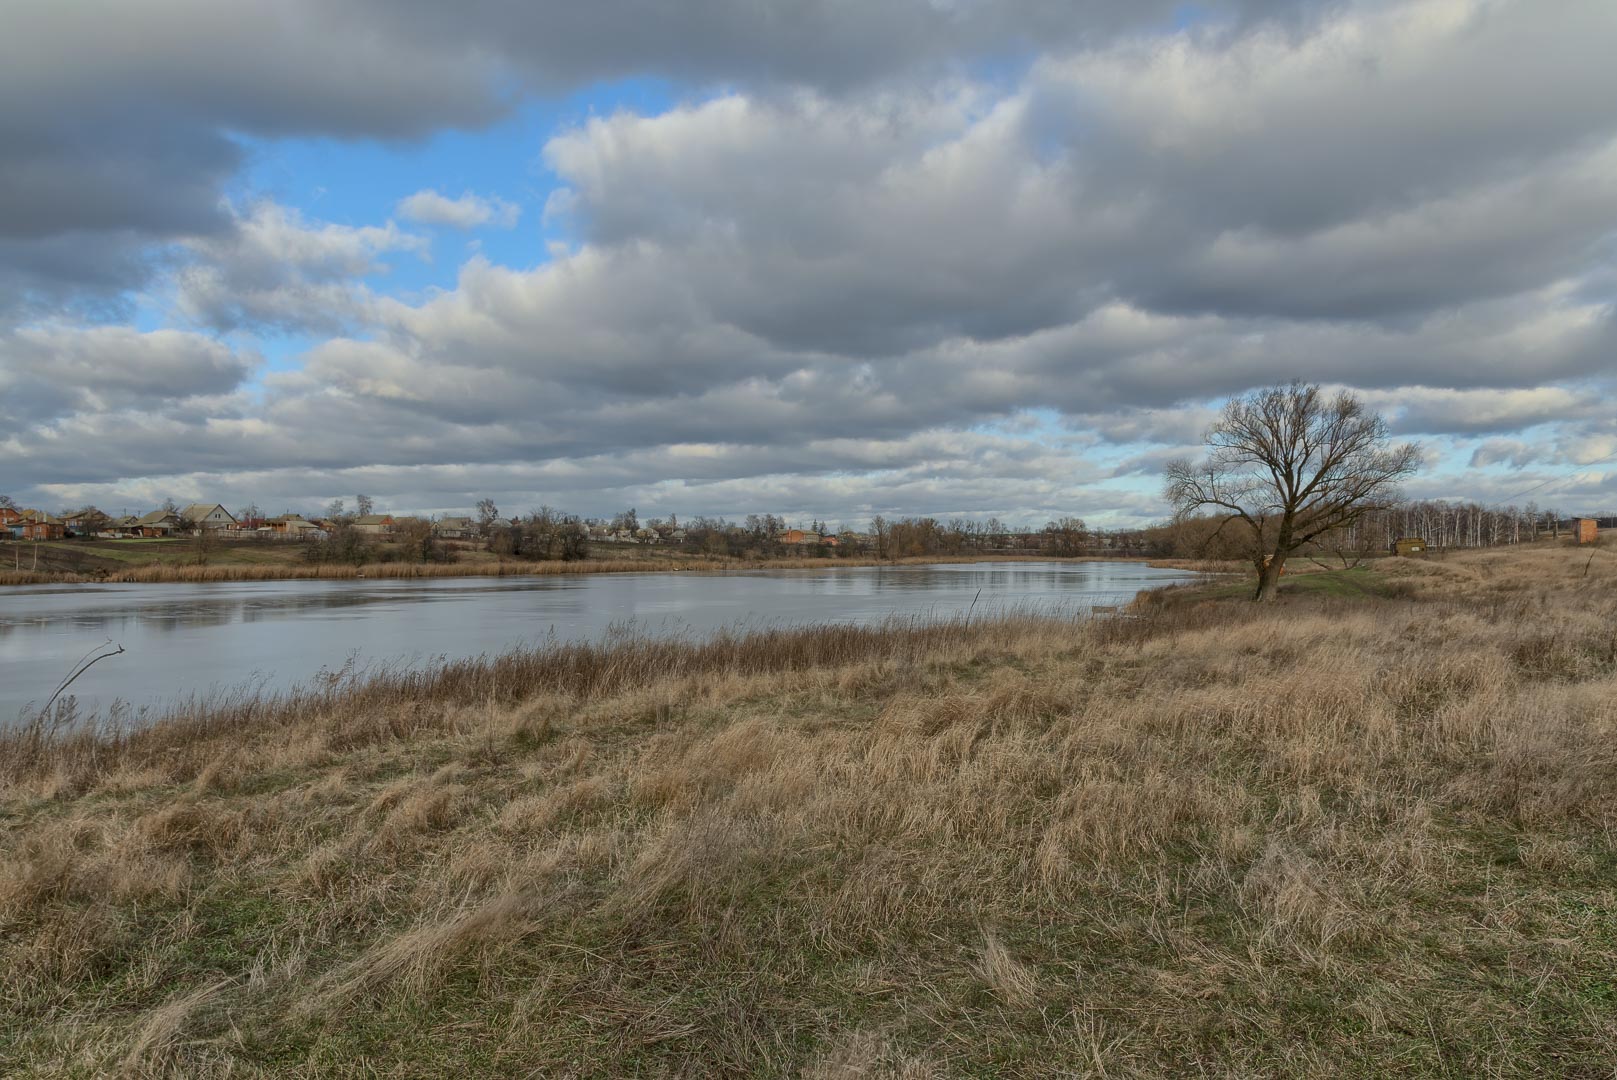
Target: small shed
column 1409, row 545
column 1587, row 530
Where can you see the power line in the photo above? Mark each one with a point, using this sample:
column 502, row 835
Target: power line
column 1553, row 479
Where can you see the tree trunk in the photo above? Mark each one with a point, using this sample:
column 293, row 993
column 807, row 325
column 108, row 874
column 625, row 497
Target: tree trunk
column 1269, row 578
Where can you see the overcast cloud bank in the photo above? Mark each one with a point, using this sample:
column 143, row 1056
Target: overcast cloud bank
column 894, row 257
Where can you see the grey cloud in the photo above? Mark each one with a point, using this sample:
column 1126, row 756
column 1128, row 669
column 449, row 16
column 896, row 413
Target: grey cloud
column 110, row 366
column 790, row 289
column 888, row 224
column 274, row 269
column 1372, row 106
column 91, row 404
column 1513, row 452
column 117, row 118
column 1425, row 410
column 824, row 43
column 466, row 212
column 118, row 121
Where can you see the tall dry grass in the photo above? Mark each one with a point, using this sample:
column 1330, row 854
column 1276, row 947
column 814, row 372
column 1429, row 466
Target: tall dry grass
column 1333, row 837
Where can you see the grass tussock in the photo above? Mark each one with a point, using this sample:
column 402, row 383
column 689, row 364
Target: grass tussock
column 1367, row 830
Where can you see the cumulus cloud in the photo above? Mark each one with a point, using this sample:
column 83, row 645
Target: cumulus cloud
column 56, row 374
column 831, row 278
column 466, row 212
column 1432, row 409
column 275, row 269
column 119, row 124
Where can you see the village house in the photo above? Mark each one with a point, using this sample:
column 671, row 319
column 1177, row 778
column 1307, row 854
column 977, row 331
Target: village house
column 38, row 525
column 375, row 524
column 86, row 522
column 121, row 528
column 804, row 536
column 454, row 528
column 291, row 527
column 157, row 524
column 210, row 517
column 9, row 517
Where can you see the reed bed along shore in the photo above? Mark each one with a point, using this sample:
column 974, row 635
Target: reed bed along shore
column 170, row 573
column 1365, row 831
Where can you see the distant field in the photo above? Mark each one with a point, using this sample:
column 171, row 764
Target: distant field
column 1367, row 831
column 90, row 555
column 154, row 560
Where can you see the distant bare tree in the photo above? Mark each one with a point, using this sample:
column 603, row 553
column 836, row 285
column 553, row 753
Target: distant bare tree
column 487, row 512
column 363, row 505
column 1291, row 464
column 7, row 503
column 879, row 530
column 1066, row 537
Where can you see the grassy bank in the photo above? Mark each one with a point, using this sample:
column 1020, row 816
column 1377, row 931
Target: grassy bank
column 1364, row 831
column 255, row 565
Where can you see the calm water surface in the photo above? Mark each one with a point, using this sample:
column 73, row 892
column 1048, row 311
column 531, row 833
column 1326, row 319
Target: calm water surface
column 184, row 640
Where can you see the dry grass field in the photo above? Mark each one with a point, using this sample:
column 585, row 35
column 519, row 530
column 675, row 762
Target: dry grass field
column 1364, row 831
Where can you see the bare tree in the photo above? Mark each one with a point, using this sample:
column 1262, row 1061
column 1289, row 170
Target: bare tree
column 1066, row 537
column 879, row 530
column 1290, row 464
column 487, row 512
column 363, row 505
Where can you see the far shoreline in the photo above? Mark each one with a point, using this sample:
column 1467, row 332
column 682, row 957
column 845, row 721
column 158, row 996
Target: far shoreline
column 158, row 574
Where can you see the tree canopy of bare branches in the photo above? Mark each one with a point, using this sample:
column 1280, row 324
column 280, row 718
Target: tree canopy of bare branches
column 1288, row 464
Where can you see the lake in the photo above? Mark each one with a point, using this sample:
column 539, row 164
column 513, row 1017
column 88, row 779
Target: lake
column 184, row 640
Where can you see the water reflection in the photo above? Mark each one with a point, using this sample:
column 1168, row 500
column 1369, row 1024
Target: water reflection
column 185, row 639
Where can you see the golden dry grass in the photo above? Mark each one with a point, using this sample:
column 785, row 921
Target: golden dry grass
column 1362, row 832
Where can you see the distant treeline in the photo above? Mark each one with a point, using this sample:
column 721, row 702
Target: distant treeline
column 548, row 534
column 1440, row 523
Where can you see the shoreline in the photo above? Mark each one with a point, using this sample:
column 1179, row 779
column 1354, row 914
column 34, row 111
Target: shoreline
column 158, row 574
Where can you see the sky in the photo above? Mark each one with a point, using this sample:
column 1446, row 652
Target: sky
column 818, row 258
